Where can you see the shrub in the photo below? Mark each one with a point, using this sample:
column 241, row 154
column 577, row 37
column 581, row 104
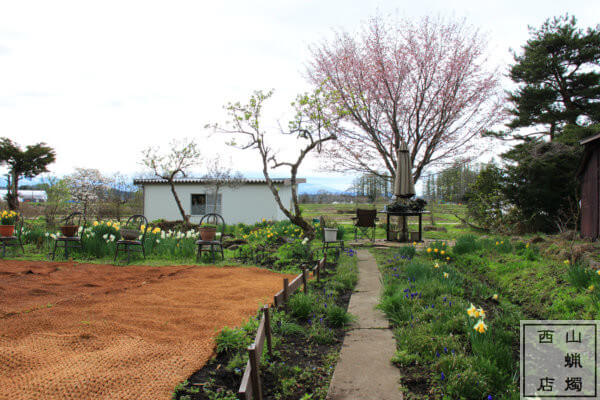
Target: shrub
column 466, row 244
column 579, row 276
column 406, row 252
column 321, row 334
column 230, row 340
column 337, row 316
column 302, row 306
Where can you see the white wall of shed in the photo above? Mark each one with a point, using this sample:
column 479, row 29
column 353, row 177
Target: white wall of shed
column 247, row 203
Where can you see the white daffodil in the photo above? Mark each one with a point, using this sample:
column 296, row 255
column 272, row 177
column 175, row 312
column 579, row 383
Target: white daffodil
column 105, row 236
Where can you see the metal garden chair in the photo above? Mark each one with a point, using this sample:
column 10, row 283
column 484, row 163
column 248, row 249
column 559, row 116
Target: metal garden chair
column 70, row 242
column 15, row 239
column 130, row 237
column 217, row 220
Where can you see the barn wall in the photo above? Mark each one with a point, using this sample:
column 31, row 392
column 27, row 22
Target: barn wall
column 247, row 204
column 590, row 192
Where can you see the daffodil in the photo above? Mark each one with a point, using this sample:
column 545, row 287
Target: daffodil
column 436, row 265
column 481, row 312
column 442, row 252
column 480, row 326
column 598, row 272
column 108, row 223
column 446, row 275
column 567, row 262
column 429, row 249
column 497, row 243
column 95, row 223
column 447, row 258
column 527, row 246
column 591, row 288
column 435, row 250
column 472, row 310
column 495, row 296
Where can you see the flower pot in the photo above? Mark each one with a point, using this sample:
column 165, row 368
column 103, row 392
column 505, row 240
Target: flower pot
column 69, row 230
column 330, row 234
column 207, row 233
column 7, row 230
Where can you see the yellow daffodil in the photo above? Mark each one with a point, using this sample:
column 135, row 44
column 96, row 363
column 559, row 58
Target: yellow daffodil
column 480, row 326
column 471, row 311
column 591, row 288
column 429, row 249
column 497, row 243
column 481, row 312
column 495, row 296
column 108, row 223
column 435, row 250
column 95, row 223
column 446, row 275
column 447, row 258
column 567, row 262
column 527, row 246
column 502, row 242
column 598, row 272
column 414, row 243
column 443, row 244
column 436, row 265
column 442, row 252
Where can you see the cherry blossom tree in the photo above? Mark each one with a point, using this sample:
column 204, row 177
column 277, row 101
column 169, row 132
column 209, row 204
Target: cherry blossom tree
column 424, row 82
column 86, row 186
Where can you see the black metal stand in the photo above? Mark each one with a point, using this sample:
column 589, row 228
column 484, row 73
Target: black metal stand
column 403, row 215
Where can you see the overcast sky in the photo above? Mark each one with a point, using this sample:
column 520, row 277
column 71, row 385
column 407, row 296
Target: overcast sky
column 101, row 80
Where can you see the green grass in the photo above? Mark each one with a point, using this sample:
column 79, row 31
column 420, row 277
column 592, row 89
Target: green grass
column 435, row 336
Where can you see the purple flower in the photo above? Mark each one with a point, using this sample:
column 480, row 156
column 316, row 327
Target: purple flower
column 445, row 349
column 437, row 354
column 443, row 376
column 489, row 397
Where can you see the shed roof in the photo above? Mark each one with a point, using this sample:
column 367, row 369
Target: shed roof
column 590, row 139
column 201, row 181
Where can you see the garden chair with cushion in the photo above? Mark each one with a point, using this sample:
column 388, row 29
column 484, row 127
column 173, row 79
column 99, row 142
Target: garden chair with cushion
column 72, row 233
column 327, row 244
column 364, row 221
column 136, row 226
column 214, row 243
column 15, row 239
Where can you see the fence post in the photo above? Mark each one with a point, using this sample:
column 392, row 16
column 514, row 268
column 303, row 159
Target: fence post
column 305, row 280
column 268, row 328
column 318, row 272
column 285, row 293
column 254, row 372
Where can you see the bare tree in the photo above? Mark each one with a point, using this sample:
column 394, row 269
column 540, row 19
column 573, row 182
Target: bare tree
column 310, row 126
column 182, row 156
column 423, row 82
column 219, row 176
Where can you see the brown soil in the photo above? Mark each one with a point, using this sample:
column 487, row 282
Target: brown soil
column 80, row 331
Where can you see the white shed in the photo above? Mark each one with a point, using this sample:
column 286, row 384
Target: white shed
column 248, row 202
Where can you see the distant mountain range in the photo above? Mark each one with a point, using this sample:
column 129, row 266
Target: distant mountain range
column 314, row 188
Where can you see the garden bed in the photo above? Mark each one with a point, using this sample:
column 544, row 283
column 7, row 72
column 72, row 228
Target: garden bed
column 306, row 342
column 102, row 331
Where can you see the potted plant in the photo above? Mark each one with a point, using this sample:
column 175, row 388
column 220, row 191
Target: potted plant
column 208, row 232
column 7, row 223
column 330, row 232
column 69, row 230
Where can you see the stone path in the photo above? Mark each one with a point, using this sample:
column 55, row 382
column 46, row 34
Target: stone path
column 364, row 370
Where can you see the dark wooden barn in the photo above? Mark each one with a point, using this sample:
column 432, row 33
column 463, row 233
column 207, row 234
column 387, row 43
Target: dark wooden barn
column 589, row 174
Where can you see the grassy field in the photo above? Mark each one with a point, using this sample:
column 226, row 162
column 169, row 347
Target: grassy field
column 440, row 223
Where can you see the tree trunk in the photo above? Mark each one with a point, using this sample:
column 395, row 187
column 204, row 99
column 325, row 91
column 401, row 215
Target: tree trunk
column 12, row 196
column 185, row 217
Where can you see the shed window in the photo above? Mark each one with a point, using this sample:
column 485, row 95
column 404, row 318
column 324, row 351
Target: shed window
column 205, row 204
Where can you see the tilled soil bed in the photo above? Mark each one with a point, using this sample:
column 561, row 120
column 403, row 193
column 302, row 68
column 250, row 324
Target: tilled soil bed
column 84, row 331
